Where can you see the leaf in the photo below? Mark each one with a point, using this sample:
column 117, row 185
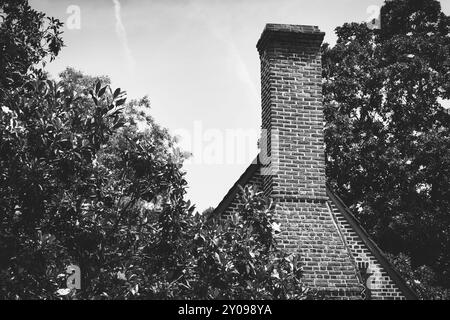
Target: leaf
column 121, row 276
column 97, row 87
column 276, row 227
column 118, row 124
column 134, row 290
column 116, row 93
column 63, row 292
column 275, row 274
column 113, row 112
column 121, row 102
column 102, row 91
column 217, row 257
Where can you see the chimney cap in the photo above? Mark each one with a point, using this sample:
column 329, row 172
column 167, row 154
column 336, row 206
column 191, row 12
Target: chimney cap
column 292, row 32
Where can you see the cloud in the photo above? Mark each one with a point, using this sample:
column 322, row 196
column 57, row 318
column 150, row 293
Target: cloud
column 122, row 34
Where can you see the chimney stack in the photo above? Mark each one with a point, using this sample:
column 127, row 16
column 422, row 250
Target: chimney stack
column 292, row 123
column 292, row 111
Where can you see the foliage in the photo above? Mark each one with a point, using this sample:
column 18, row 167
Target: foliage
column 27, row 37
column 58, row 201
column 208, row 211
column 387, row 135
column 82, row 185
column 90, row 180
column 422, row 279
column 238, row 257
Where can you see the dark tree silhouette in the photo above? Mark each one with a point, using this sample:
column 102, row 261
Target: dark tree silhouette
column 387, row 135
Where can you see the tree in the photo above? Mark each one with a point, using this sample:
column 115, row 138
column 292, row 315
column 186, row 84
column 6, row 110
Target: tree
column 90, row 180
column 108, row 197
column 239, row 258
column 421, row 279
column 27, row 37
column 208, row 211
column 387, row 135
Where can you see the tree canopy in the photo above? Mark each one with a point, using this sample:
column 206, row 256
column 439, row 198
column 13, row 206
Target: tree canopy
column 388, row 134
column 89, row 179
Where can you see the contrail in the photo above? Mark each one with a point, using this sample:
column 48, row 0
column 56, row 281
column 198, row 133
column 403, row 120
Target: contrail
column 122, row 34
column 225, row 37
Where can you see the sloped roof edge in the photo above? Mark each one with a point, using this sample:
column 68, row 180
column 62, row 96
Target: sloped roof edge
column 242, row 181
column 374, row 249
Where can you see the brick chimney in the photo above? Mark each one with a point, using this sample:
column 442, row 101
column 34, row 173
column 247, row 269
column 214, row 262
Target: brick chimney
column 292, row 110
column 292, row 116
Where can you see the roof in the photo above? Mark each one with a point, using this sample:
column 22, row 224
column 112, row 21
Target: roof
column 343, row 209
column 374, row 249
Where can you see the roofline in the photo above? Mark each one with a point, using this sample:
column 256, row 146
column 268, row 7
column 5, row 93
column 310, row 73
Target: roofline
column 374, row 249
column 242, row 181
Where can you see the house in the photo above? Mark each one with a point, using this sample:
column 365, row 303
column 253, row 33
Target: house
column 339, row 258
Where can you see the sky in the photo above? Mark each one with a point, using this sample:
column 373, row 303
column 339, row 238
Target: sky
column 197, row 62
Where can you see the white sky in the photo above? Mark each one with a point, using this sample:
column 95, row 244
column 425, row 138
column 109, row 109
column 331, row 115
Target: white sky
column 195, row 59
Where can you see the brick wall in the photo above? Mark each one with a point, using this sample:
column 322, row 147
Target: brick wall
column 308, row 229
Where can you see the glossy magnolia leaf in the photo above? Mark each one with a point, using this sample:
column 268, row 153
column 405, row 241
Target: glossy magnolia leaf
column 101, row 92
column 97, row 87
column 120, row 102
column 116, row 93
